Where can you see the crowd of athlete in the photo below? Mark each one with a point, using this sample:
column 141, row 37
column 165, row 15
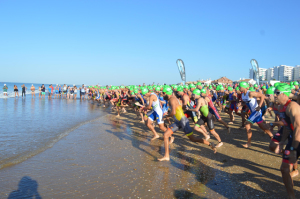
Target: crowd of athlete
column 174, row 107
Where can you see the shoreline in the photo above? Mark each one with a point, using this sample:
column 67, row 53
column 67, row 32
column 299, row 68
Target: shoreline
column 113, row 157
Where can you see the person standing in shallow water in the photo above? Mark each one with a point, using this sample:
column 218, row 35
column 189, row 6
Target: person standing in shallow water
column 32, row 88
column 5, row 90
column 16, row 90
column 24, row 88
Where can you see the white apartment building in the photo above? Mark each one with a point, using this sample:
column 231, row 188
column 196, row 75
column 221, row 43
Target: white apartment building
column 262, row 74
column 296, row 73
column 270, row 74
column 285, row 73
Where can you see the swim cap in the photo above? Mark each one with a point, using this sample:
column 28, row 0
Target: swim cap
column 243, row 84
column 199, row 84
column 186, row 86
column 276, row 84
column 292, row 87
column 144, row 91
column 285, row 88
column 296, row 83
column 203, row 90
column 180, row 89
column 230, row 88
column 264, row 87
column 237, row 88
column 175, row 86
column 192, row 86
column 196, row 92
column 157, row 88
column 136, row 91
column 251, row 89
column 113, row 88
column 122, row 86
column 210, row 87
column 255, row 86
column 168, row 90
column 270, row 91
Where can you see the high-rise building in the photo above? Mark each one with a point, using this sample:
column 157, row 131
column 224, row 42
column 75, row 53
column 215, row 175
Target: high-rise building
column 296, row 73
column 285, row 73
column 270, row 74
column 276, row 72
column 262, row 74
column 251, row 73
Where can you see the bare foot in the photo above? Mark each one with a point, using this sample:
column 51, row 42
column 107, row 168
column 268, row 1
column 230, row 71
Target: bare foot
column 164, row 159
column 172, row 140
column 230, row 122
column 207, row 137
column 142, row 121
column 213, row 147
column 228, row 129
column 294, row 173
column 155, row 137
column 118, row 116
column 219, row 145
column 247, row 145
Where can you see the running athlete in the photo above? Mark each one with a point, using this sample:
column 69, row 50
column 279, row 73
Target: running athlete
column 291, row 120
column 206, row 116
column 155, row 113
column 181, row 122
column 256, row 114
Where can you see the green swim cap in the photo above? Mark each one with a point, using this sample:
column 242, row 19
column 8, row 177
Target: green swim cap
column 210, row 87
column 118, row 87
column 196, row 92
column 136, row 91
column 292, row 87
column 251, row 89
column 230, row 88
column 264, row 87
column 243, row 84
column 180, row 89
column 255, row 86
column 270, row 91
column 285, row 88
column 113, row 88
column 122, row 86
column 276, row 84
column 192, row 86
column 168, row 90
column 296, row 83
column 203, row 90
column 199, row 84
column 144, row 91
column 186, row 86
column 237, row 88
column 157, row 88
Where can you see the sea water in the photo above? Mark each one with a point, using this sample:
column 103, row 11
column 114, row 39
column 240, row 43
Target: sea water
column 29, row 126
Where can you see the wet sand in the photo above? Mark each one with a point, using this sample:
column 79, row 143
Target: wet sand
column 114, row 158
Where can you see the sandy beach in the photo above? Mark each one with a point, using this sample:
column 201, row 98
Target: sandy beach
column 113, row 158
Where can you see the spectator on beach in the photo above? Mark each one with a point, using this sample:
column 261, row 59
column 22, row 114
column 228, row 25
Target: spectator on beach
column 5, row 90
column 16, row 90
column 40, row 92
column 49, row 91
column 82, row 92
column 75, row 92
column 32, row 88
column 43, row 90
column 24, row 88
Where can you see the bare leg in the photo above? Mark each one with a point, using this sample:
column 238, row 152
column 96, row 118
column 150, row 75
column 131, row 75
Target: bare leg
column 150, row 126
column 287, row 179
column 249, row 135
column 167, row 134
column 200, row 130
column 264, row 127
column 200, row 140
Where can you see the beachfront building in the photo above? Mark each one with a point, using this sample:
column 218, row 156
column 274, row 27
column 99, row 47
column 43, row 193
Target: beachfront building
column 285, row 73
column 262, row 74
column 270, row 74
column 296, row 73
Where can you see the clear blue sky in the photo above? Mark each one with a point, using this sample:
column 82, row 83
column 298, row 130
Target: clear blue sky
column 132, row 42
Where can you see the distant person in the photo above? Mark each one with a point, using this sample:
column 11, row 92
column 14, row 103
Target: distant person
column 32, row 88
column 82, row 92
column 40, row 92
column 75, row 92
column 5, row 90
column 43, row 90
column 49, row 91
column 64, row 91
column 59, row 90
column 24, row 88
column 16, row 90
column 56, row 91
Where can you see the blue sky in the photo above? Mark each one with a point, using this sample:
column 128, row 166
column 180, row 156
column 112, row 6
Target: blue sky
column 134, row 42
